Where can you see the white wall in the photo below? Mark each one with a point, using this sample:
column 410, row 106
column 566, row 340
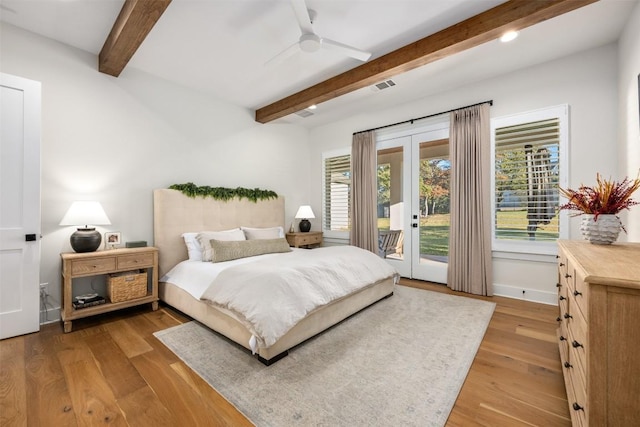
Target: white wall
column 629, row 138
column 116, row 139
column 587, row 81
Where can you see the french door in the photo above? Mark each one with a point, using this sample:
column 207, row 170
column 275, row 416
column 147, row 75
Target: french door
column 413, row 200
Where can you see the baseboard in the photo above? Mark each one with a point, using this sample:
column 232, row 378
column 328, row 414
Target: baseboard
column 524, row 294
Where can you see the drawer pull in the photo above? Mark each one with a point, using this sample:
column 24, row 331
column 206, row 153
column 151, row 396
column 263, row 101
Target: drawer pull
column 576, row 344
column 568, row 365
column 557, row 256
column 562, row 264
column 577, row 407
column 562, row 338
column 558, row 319
column 576, row 293
column 562, row 298
column 566, row 276
column 558, row 285
column 568, row 316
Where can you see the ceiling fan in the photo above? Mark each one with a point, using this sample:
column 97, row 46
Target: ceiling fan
column 311, row 42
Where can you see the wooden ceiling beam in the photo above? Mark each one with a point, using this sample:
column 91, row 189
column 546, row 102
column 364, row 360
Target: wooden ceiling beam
column 135, row 21
column 486, row 26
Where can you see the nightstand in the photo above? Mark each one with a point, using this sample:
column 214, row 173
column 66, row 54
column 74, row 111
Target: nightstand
column 75, row 265
column 305, row 240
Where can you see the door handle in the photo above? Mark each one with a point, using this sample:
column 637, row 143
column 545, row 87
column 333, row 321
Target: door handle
column 30, row 237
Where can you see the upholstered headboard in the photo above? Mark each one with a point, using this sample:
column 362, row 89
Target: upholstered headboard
column 175, row 213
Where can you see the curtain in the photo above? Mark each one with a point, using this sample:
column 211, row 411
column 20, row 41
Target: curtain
column 364, row 196
column 470, row 236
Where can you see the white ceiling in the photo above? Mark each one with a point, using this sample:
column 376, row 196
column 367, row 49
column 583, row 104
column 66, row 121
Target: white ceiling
column 221, row 46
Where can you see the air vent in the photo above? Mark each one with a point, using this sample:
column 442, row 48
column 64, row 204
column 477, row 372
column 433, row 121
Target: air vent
column 383, row 85
column 304, row 113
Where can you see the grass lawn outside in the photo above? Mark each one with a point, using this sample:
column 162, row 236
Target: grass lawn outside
column 434, row 230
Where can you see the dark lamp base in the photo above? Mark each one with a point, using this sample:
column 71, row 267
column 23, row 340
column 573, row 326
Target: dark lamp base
column 305, row 226
column 85, row 240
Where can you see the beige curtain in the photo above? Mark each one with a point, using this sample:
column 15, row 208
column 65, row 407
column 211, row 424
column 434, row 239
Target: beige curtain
column 364, row 197
column 470, row 236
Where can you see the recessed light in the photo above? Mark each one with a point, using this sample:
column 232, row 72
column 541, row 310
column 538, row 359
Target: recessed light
column 312, row 107
column 508, row 36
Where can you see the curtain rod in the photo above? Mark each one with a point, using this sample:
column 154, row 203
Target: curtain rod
column 490, row 102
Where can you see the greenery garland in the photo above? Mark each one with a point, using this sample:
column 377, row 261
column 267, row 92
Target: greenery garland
column 226, row 194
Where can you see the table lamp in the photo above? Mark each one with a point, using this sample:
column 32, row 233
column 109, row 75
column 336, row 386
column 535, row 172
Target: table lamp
column 305, row 213
column 83, row 213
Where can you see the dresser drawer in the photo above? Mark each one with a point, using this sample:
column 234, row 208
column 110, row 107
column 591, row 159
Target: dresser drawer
column 580, row 294
column 309, row 240
column 92, row 266
column 578, row 345
column 571, row 396
column 135, row 261
column 579, row 406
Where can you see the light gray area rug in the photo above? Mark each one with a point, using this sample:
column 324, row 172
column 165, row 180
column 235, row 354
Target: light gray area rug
column 400, row 362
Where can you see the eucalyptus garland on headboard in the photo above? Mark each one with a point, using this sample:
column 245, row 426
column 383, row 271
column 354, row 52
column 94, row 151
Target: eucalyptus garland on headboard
column 226, row 194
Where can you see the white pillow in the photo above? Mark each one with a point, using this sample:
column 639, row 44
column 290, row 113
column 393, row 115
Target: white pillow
column 193, row 246
column 205, row 238
column 263, row 233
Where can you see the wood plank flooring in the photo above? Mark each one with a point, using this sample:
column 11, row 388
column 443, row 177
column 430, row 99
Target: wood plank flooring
column 112, row 371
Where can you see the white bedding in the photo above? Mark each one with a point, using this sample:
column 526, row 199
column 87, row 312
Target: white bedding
column 270, row 294
column 196, row 276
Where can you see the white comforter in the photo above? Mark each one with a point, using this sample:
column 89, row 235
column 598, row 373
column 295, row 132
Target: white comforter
column 271, row 295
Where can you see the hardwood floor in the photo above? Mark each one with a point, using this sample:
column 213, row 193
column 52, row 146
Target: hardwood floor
column 112, row 370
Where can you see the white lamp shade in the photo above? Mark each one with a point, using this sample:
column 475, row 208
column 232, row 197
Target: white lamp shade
column 85, row 213
column 305, row 212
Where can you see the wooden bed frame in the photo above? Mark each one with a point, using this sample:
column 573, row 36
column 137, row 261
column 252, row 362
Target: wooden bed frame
column 175, row 213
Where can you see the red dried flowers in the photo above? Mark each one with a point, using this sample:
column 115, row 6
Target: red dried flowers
column 606, row 197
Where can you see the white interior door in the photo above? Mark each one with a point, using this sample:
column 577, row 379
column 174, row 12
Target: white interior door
column 413, row 183
column 19, row 205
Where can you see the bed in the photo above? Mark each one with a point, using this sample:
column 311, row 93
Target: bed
column 176, row 214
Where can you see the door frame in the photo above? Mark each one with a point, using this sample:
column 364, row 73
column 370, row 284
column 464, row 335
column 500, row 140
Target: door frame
column 409, row 139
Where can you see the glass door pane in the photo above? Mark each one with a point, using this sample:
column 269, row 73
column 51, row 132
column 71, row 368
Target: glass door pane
column 435, row 174
column 394, row 213
column 390, row 203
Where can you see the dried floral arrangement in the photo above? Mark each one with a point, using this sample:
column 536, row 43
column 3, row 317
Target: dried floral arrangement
column 606, row 197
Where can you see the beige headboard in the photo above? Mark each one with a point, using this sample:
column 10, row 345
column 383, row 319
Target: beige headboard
column 174, row 214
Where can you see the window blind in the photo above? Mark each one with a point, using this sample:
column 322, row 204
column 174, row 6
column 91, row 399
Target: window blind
column 526, row 180
column 337, row 193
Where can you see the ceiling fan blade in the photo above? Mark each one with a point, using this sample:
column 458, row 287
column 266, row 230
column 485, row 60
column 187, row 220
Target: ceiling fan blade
column 351, row 51
column 302, row 15
column 288, row 52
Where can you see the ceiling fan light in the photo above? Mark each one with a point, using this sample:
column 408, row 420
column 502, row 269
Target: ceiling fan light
column 310, row 43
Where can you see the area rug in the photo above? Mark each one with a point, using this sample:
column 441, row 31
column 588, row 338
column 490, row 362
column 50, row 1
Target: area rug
column 400, row 362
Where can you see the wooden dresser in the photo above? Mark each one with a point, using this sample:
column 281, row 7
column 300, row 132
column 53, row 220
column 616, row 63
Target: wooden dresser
column 599, row 333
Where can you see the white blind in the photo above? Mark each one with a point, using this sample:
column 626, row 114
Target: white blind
column 337, row 193
column 526, row 179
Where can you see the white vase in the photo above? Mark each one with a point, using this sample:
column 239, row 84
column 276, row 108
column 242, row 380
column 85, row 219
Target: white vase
column 603, row 231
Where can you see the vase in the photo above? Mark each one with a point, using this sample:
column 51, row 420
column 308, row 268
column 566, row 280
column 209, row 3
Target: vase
column 603, row 231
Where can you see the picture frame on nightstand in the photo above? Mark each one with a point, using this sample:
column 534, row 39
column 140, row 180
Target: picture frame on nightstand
column 112, row 239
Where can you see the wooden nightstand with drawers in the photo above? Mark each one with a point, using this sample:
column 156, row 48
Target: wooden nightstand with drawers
column 114, row 261
column 309, row 239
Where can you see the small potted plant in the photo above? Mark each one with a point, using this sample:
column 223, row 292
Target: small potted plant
column 599, row 206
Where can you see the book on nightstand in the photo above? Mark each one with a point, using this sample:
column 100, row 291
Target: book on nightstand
column 84, row 301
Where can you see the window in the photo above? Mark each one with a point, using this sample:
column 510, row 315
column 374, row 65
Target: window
column 336, row 194
column 529, row 165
